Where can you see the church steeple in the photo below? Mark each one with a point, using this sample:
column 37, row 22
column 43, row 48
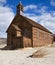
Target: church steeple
column 19, row 8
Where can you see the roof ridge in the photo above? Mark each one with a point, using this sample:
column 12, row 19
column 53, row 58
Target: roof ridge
column 35, row 24
column 32, row 22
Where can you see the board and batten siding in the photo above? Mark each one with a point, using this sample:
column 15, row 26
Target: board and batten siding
column 27, row 37
column 40, row 37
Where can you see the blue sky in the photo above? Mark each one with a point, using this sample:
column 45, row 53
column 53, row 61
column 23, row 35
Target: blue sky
column 41, row 11
column 39, row 3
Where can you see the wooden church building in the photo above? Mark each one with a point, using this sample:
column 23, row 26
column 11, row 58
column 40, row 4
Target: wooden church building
column 24, row 32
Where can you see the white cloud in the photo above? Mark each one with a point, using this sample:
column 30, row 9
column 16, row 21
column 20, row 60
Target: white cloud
column 6, row 16
column 30, row 7
column 53, row 2
column 43, row 9
column 2, row 2
column 36, row 9
column 53, row 14
column 46, row 19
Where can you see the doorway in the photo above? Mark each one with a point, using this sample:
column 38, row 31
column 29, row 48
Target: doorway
column 17, row 42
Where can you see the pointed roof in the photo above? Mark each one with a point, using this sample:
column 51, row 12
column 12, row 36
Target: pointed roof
column 37, row 25
column 16, row 27
column 33, row 23
column 19, row 5
column 19, row 8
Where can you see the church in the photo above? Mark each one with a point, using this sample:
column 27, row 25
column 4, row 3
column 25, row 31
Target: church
column 24, row 32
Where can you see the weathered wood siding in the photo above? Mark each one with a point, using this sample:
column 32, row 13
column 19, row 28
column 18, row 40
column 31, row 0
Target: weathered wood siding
column 41, row 38
column 9, row 39
column 27, row 36
column 17, row 42
column 10, row 33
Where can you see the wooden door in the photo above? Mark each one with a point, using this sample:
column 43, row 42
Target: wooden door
column 17, row 42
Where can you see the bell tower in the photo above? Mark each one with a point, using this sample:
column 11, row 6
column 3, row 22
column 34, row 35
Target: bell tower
column 19, row 8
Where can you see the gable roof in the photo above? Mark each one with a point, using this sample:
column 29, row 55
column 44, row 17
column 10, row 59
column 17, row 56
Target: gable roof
column 33, row 23
column 16, row 27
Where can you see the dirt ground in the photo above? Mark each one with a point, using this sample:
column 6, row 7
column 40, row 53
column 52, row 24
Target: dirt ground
column 28, row 56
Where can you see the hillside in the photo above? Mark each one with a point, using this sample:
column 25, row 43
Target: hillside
column 3, row 41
